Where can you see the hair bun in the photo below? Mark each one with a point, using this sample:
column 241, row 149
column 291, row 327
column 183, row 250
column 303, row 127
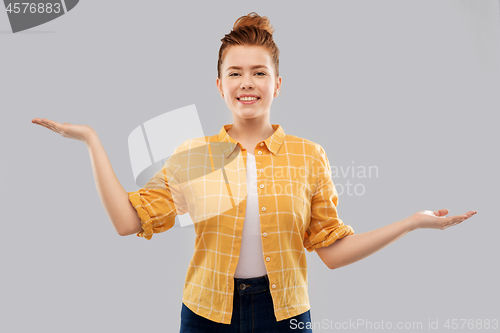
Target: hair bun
column 254, row 19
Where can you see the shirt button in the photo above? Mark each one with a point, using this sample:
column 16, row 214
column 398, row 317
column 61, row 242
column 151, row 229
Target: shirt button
column 262, row 144
column 261, row 185
column 261, row 170
column 273, row 286
column 267, row 259
column 263, row 209
column 264, row 234
column 260, row 153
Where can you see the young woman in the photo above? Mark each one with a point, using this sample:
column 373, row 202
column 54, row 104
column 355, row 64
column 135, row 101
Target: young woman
column 249, row 270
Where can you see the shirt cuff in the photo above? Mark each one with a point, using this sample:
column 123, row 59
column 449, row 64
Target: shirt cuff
column 337, row 233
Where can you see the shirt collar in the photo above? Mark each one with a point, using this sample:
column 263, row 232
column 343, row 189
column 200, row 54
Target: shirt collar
column 273, row 143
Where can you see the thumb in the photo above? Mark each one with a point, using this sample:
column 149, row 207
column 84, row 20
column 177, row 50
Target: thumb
column 441, row 212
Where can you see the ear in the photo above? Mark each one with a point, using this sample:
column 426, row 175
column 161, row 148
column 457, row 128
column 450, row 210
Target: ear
column 278, row 84
column 219, row 86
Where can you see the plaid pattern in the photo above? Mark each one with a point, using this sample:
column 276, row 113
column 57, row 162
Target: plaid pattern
column 206, row 177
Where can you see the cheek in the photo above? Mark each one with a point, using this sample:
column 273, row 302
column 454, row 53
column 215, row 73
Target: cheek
column 270, row 88
column 231, row 90
column 269, row 92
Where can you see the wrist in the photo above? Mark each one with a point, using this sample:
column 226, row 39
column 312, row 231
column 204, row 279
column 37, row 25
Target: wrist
column 90, row 135
column 411, row 223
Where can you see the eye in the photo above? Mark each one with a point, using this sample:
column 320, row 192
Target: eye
column 258, row 73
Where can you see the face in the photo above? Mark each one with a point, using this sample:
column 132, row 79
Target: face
column 248, row 71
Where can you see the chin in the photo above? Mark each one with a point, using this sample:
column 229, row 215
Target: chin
column 248, row 114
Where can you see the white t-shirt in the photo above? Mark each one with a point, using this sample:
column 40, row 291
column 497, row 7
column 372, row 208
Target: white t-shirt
column 251, row 261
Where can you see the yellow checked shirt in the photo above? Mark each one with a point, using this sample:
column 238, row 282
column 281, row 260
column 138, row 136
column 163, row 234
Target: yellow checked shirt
column 206, row 177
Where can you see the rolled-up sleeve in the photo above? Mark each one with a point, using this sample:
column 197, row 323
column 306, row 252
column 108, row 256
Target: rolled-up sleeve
column 325, row 226
column 159, row 201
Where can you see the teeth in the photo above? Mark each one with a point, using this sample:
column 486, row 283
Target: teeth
column 248, row 98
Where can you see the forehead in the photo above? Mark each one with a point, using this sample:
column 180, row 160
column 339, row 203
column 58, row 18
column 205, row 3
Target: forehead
column 246, row 56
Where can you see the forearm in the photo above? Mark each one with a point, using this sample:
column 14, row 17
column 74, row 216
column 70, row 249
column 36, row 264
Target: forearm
column 355, row 247
column 113, row 196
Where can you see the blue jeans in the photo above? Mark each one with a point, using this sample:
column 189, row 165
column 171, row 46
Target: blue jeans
column 252, row 312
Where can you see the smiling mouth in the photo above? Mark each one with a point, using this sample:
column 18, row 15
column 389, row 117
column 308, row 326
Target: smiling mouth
column 247, row 99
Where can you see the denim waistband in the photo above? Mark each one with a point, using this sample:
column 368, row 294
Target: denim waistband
column 251, row 285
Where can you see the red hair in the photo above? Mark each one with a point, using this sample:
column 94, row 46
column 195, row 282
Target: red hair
column 251, row 30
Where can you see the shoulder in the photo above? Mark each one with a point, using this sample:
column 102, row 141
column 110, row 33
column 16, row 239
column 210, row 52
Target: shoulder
column 309, row 147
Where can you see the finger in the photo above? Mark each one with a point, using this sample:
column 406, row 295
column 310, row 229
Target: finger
column 471, row 213
column 53, row 125
column 441, row 212
column 50, row 127
column 51, row 122
column 464, row 216
column 47, row 123
column 457, row 218
column 39, row 122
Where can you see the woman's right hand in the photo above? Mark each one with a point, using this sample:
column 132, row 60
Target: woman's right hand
column 67, row 130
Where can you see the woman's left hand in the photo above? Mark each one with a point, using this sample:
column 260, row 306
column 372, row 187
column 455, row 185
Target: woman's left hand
column 437, row 219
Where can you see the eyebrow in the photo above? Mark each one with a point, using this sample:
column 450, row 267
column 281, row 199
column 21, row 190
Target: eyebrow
column 254, row 67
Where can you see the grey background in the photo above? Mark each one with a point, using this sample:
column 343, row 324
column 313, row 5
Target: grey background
column 408, row 86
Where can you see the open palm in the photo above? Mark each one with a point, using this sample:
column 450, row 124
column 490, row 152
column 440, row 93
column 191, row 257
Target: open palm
column 67, row 130
column 438, row 219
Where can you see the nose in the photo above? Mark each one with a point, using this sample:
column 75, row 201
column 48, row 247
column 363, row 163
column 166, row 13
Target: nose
column 246, row 83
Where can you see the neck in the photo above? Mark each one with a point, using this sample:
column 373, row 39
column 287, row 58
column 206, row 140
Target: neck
column 251, row 130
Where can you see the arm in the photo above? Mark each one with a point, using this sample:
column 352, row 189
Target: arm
column 113, row 196
column 355, row 247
